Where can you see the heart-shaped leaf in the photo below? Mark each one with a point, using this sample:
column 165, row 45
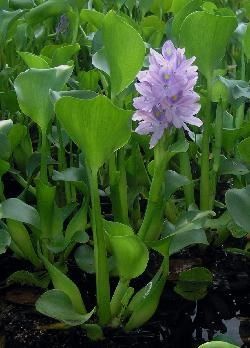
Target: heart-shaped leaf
column 32, row 88
column 124, row 51
column 212, row 34
column 96, row 125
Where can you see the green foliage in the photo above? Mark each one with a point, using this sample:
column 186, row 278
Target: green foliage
column 5, row 240
column 192, row 284
column 121, row 38
column 238, row 205
column 213, row 31
column 32, row 88
column 57, row 304
column 97, row 126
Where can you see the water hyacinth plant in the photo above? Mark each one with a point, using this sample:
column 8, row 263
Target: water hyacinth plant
column 125, row 140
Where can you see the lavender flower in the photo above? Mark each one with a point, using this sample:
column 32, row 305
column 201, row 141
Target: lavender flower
column 167, row 96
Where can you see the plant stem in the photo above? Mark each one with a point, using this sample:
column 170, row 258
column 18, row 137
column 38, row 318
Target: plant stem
column 118, row 187
column 186, row 171
column 217, row 148
column 117, row 297
column 43, row 172
column 101, row 264
column 205, row 180
column 241, row 108
column 62, row 162
column 150, row 228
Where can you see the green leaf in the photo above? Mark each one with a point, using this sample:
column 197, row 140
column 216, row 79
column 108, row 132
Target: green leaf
column 16, row 135
column 246, row 42
column 231, row 166
column 130, row 253
column 80, row 94
column 51, row 8
column 238, row 205
column 186, row 239
column 4, row 167
column 5, row 240
column 88, row 80
column 177, row 5
column 239, row 91
column 99, row 60
column 56, row 304
column 84, row 256
column 5, row 126
column 159, row 6
column 124, row 51
column 21, row 4
column 38, row 279
column 96, row 125
column 116, row 229
column 218, row 344
column 63, row 54
column 78, row 223
column 192, row 284
column 21, row 238
column 190, row 7
column 180, row 146
column 5, row 147
column 70, row 174
column 34, row 61
column 145, row 302
column 92, row 17
column 47, row 209
column 244, row 150
column 15, row 209
column 7, row 19
column 187, row 231
column 174, row 181
column 32, row 89
column 213, row 31
column 62, row 282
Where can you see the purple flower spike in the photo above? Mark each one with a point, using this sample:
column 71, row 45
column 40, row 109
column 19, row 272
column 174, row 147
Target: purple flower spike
column 167, row 93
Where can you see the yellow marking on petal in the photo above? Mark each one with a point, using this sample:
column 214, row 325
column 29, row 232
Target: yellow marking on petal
column 174, row 98
column 157, row 114
column 166, row 76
